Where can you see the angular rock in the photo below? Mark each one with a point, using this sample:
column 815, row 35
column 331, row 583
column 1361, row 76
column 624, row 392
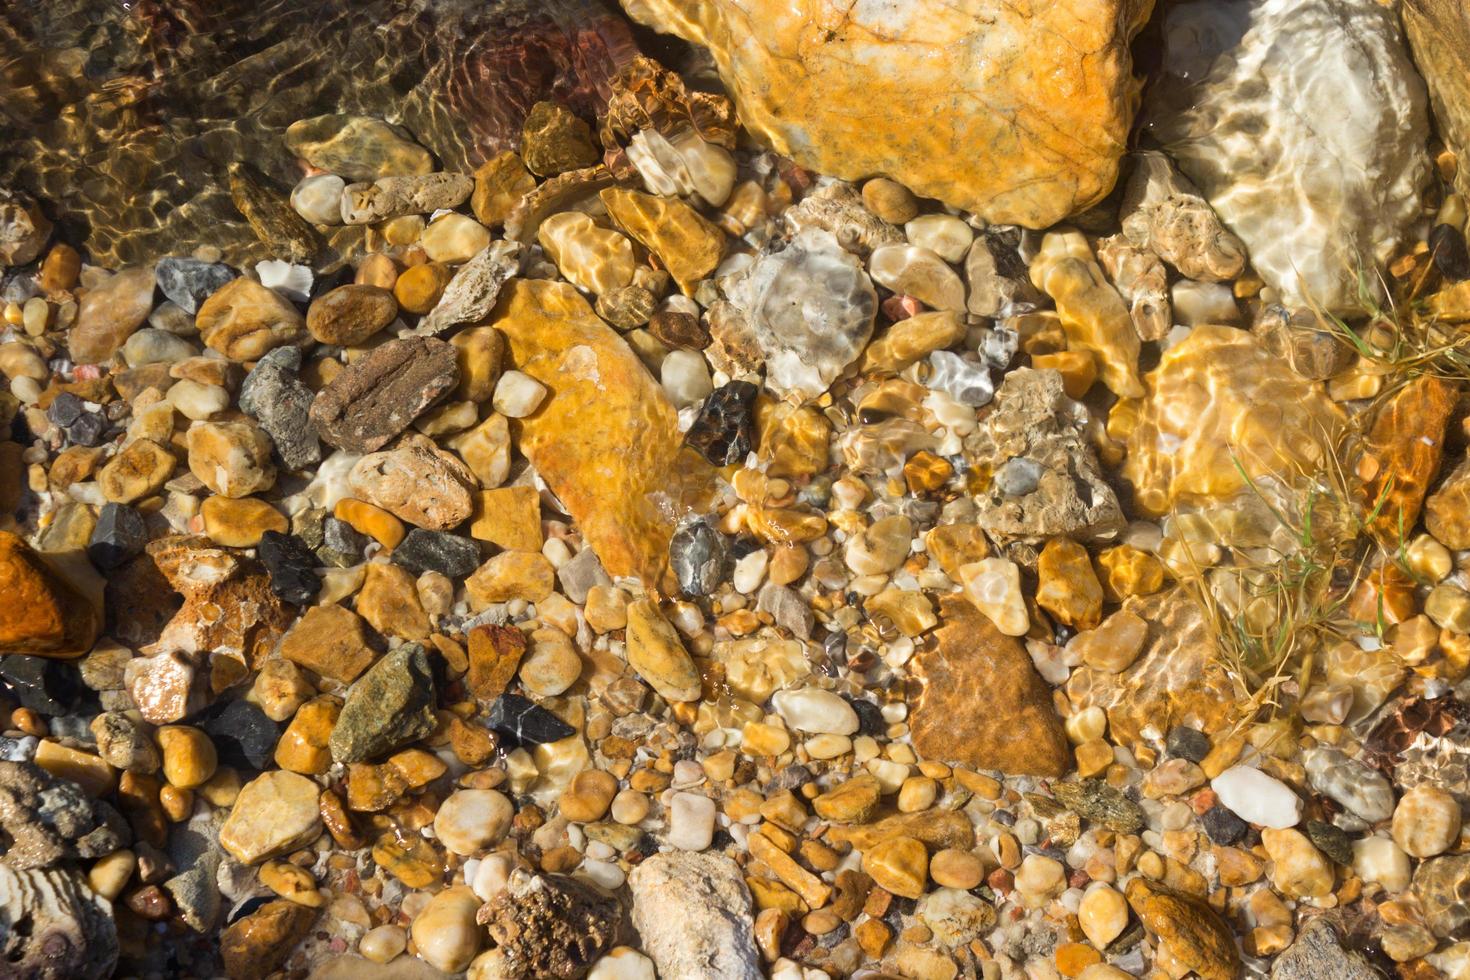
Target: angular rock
column 524, row 722
column 435, row 551
column 331, row 641
column 274, row 814
column 693, row 913
column 809, row 309
column 1141, row 279
column 1095, row 800
column 838, row 209
column 387, row 707
column 377, row 396
column 49, row 820
column 109, row 314
column 687, row 244
column 1317, row 953
column 549, row 926
column 1006, row 120
column 723, row 431
column 189, row 282
column 500, row 183
column 53, row 926
column 292, row 567
column 255, row 946
column 273, row 395
column 1406, row 442
column 243, row 735
column 228, row 608
column 1188, row 928
column 118, row 536
column 357, row 147
column 1162, row 211
column 554, row 140
column 1253, row 95
column 266, row 209
column 42, row 613
column 1035, row 420
column 601, row 392
column 1015, row 729
column 495, row 654
column 243, row 320
column 471, row 294
column 24, row 228
column 416, row 482
column 391, row 197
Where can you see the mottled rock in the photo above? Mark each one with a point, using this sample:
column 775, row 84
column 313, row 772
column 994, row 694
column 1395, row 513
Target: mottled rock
column 1191, row 931
column 255, row 946
column 1162, row 211
column 357, row 147
column 1018, row 731
column 268, row 212
column 109, row 313
column 1097, row 801
column 52, row 926
column 554, row 140
column 500, row 183
column 698, row 557
column 1035, row 419
column 189, row 282
column 839, row 209
column 809, row 309
column 1141, row 279
column 274, row 814
column 231, row 458
column 377, row 396
column 387, row 707
column 350, row 314
column 1254, row 95
column 1406, row 445
column 688, row 245
column 243, row 320
column 1362, row 790
column 471, row 294
column 448, row 554
column 1443, row 888
column 273, row 395
column 228, row 604
column 416, row 482
column 48, row 820
column 24, row 228
column 805, row 81
column 1318, row 953
column 602, row 391
column 723, row 430
column 693, row 913
column 550, row 926
column 43, row 613
column 391, row 197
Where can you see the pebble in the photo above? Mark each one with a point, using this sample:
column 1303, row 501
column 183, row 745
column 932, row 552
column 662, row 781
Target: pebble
column 952, row 868
column 379, row 395
column 517, row 395
column 551, row 664
column 231, row 458
column 189, row 282
column 1298, row 870
column 445, row 932
column 244, row 319
column 240, row 523
column 422, row 550
column 118, row 536
column 685, row 378
column 655, row 652
column 189, row 757
column 198, row 401
column 994, row 586
column 1102, row 914
column 691, row 822
column 913, row 271
column 890, row 200
column 454, row 238
column 1362, row 790
column 274, row 814
column 554, row 140
column 816, row 711
column 1379, row 859
column 900, row 865
column 318, row 199
column 723, row 430
column 588, row 796
column 274, row 396
column 622, row 963
column 473, row 820
column 1426, row 821
column 943, row 234
column 1257, row 798
column 151, row 346
column 351, row 314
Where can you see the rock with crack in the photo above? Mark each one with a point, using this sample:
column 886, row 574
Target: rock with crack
column 1304, row 124
column 1019, row 112
column 1063, row 491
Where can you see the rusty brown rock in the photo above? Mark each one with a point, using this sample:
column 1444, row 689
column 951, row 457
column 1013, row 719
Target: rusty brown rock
column 377, row 397
column 495, row 653
column 1404, row 449
column 41, row 613
column 330, row 641
column 983, row 704
column 1189, row 929
column 257, row 945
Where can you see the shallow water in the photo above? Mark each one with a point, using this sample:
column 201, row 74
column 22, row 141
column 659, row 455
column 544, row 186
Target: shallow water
column 122, row 116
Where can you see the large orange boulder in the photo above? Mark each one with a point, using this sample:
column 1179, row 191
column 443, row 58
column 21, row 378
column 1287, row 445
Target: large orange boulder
column 40, row 612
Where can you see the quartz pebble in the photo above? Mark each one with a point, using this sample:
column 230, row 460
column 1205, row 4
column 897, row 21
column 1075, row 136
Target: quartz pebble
column 517, row 395
column 472, row 820
column 1426, row 821
column 1257, row 797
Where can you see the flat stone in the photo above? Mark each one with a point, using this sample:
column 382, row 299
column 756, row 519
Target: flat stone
column 1253, row 95
column 389, row 600
column 1006, row 121
column 43, row 613
column 387, row 707
column 377, row 396
column 331, row 641
column 274, row 396
column 416, row 482
column 1188, row 928
column 693, row 913
column 357, row 147
column 620, row 501
column 109, row 313
column 471, row 294
column 265, row 207
column 189, row 282
column 274, row 814
column 256, row 945
column 1017, row 732
column 391, row 197
column 688, row 245
column 243, row 320
column 435, row 551
column 523, row 722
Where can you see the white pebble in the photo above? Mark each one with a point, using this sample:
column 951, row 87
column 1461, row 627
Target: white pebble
column 684, row 375
column 491, row 876
column 291, row 281
column 943, row 234
column 517, row 395
column 1257, row 798
column 603, row 873
column 750, row 571
column 816, row 712
column 1197, row 303
column 1380, row 859
column 623, row 963
column 691, row 821
column 318, row 199
column 198, row 401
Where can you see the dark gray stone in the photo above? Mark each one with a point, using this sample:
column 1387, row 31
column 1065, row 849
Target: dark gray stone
column 699, row 557
column 1184, row 742
column 118, row 536
column 387, row 707
column 274, row 396
column 423, row 550
column 523, row 722
column 189, row 282
column 1317, row 954
column 292, row 567
column 243, row 735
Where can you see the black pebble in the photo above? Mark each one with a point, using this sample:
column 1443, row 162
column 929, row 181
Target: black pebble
column 1451, row 257
column 1184, row 742
column 722, row 431
column 65, row 409
column 437, row 551
column 243, row 735
column 523, row 722
column 118, row 536
column 870, row 716
column 1223, row 826
column 87, row 430
column 292, row 567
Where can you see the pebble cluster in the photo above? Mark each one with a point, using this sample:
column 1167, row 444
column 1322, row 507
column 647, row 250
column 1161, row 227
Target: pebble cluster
column 650, row 558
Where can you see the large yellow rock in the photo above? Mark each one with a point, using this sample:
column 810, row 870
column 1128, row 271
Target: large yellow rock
column 1220, row 407
column 40, row 612
column 606, row 439
column 1016, row 110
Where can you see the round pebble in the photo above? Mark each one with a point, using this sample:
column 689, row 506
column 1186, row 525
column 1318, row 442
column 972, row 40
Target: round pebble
column 471, row 820
column 1426, row 821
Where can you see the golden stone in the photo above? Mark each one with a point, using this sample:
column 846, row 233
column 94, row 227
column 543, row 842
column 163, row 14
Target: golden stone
column 1068, row 588
column 1017, row 112
column 1406, row 445
column 1093, row 314
column 607, row 439
column 689, row 246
